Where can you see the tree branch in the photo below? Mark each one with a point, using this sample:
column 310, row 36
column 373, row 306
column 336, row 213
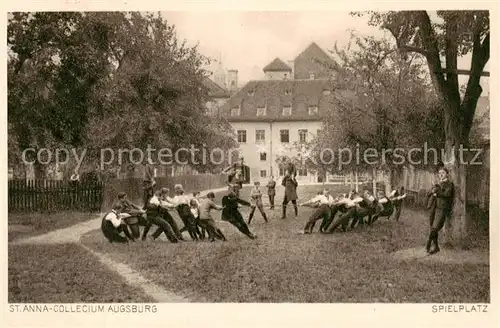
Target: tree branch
column 480, row 56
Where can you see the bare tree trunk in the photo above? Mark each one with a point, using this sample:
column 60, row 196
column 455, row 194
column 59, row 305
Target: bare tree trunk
column 374, row 180
column 356, row 186
column 457, row 227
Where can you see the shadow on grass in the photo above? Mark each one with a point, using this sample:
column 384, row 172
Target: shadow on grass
column 23, row 225
column 64, row 273
column 283, row 266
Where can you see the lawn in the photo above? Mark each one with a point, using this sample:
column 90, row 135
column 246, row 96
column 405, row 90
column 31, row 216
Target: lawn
column 64, row 273
column 283, row 266
column 23, row 225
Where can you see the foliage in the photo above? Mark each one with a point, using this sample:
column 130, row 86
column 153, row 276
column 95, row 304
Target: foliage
column 381, row 97
column 106, row 79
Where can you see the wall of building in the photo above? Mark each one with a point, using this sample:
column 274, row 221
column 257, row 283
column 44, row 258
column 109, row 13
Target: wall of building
column 272, row 146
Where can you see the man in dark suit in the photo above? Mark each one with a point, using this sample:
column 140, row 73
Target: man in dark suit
column 290, row 185
column 443, row 209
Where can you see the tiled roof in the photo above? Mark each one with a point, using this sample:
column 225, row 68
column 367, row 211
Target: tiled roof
column 214, row 90
column 276, row 94
column 277, row 65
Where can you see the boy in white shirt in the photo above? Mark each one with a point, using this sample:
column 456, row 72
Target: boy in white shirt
column 322, row 202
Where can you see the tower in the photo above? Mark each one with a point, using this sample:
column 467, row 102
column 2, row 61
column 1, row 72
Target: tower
column 220, row 73
column 232, row 80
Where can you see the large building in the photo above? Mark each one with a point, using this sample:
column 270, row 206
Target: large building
column 271, row 117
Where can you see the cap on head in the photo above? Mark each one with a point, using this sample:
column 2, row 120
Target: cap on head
column 164, row 190
column 211, row 195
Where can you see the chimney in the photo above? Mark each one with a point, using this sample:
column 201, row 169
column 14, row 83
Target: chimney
column 291, row 63
column 232, row 79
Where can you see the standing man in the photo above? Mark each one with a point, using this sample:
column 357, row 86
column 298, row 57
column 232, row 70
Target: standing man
column 271, row 191
column 256, row 202
column 290, row 185
column 444, row 206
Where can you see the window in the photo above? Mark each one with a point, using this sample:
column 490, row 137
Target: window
column 242, row 136
column 260, row 135
column 233, row 83
column 313, row 110
column 311, row 76
column 288, row 92
column 263, row 156
column 302, row 172
column 235, row 111
column 282, row 171
column 287, row 110
column 263, row 173
column 284, row 136
column 261, row 111
column 303, row 136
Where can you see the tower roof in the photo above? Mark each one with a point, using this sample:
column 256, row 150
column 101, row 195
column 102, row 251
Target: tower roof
column 277, row 65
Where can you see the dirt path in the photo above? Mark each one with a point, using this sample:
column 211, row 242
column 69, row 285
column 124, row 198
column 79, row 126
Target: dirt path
column 73, row 234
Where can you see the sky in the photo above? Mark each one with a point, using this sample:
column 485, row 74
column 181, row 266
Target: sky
column 247, row 41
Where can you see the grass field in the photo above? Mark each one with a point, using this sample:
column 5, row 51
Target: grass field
column 64, row 273
column 23, row 225
column 283, row 266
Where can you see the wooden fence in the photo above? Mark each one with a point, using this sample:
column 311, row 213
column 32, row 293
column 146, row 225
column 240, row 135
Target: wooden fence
column 54, row 195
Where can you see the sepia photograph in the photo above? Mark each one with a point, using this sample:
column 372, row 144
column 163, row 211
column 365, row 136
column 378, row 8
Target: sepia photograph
column 248, row 157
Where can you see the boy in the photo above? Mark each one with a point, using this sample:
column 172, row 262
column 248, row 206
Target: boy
column 182, row 201
column 231, row 214
column 129, row 212
column 256, row 202
column 271, row 191
column 206, row 220
column 112, row 225
column 322, row 202
column 155, row 213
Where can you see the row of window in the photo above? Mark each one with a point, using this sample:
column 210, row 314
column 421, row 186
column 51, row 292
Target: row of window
column 260, row 136
column 300, row 172
column 286, row 111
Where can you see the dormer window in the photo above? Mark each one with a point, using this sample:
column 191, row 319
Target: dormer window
column 251, row 92
column 235, row 111
column 313, row 110
column 261, row 111
column 287, row 110
column 311, row 76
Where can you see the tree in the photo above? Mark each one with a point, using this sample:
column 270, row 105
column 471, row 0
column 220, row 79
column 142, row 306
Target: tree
column 455, row 33
column 106, row 79
column 379, row 97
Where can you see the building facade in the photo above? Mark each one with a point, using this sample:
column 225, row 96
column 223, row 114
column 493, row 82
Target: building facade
column 272, row 117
